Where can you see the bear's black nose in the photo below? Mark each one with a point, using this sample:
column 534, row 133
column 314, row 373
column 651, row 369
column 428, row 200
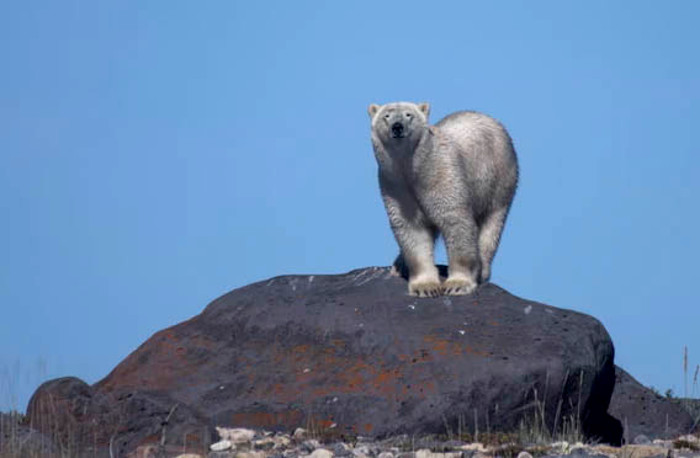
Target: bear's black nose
column 397, row 129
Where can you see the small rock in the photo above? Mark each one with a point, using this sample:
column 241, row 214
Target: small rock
column 474, row 447
column 662, row 443
column 310, row 445
column 361, row 451
column 385, row 455
column 220, row 446
column 561, row 446
column 236, row 435
column 641, row 440
column 578, row 449
column 250, row 455
column 524, row 454
column 142, row 451
column 342, row 449
column 689, row 438
column 321, row 453
column 189, row 455
column 229, row 454
column 266, row 443
column 272, row 442
column 426, row 453
column 300, row 433
column 581, row 452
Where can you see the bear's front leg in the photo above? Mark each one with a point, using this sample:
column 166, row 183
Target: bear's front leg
column 461, row 240
column 416, row 238
column 417, row 245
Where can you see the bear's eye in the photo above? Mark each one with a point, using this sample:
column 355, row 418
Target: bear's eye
column 387, row 116
column 408, row 115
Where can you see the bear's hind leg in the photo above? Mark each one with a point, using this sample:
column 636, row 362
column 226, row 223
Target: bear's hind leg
column 489, row 238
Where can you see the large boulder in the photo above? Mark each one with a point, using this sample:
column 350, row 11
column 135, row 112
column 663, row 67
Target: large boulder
column 643, row 411
column 352, row 354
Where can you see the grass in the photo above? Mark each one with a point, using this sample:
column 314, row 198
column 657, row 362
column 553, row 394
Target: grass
column 568, row 428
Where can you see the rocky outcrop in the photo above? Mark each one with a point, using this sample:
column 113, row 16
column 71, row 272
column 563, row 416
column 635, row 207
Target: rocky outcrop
column 353, row 355
column 645, row 412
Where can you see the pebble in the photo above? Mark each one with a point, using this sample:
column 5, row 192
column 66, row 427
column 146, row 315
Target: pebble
column 342, row 449
column 474, row 447
column 220, row 446
column 641, row 440
column 236, row 435
column 250, row 455
column 361, row 451
column 321, row 453
column 310, row 445
column 425, row 453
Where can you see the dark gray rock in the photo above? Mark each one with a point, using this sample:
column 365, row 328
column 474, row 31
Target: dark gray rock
column 645, row 412
column 354, row 353
column 87, row 422
column 340, row 449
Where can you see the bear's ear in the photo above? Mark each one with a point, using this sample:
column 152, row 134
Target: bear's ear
column 424, row 108
column 372, row 110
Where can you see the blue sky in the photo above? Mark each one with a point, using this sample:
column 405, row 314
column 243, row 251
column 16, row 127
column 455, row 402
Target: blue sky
column 155, row 155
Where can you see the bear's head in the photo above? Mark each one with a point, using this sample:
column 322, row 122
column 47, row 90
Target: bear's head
column 400, row 122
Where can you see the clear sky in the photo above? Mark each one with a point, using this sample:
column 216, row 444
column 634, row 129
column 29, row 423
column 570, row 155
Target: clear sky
column 155, row 155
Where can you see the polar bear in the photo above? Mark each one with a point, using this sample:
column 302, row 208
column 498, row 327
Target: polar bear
column 456, row 179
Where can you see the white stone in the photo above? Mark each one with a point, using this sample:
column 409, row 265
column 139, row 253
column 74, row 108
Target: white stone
column 524, row 455
column 220, row 446
column 321, row 453
column 279, row 441
column 299, row 433
column 361, row 451
column 236, row 435
column 250, row 455
column 189, row 455
column 476, row 446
